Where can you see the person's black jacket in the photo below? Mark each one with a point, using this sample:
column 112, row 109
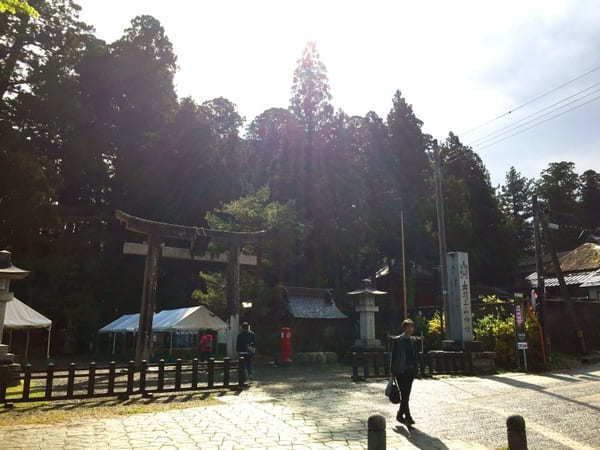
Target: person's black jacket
column 403, row 355
column 244, row 340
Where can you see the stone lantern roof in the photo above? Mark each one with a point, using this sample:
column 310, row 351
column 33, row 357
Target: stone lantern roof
column 8, row 270
column 367, row 289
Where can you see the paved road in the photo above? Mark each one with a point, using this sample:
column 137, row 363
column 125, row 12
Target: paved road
column 324, row 409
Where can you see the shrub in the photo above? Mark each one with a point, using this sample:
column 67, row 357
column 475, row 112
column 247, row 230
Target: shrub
column 433, row 337
column 497, row 334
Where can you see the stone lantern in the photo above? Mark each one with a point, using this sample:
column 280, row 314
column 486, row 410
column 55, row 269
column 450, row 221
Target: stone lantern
column 367, row 308
column 8, row 272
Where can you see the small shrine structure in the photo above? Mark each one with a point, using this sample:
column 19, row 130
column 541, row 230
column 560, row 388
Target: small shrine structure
column 310, row 312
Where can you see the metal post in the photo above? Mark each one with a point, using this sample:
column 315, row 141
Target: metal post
column 377, row 438
column 49, row 338
column 27, row 345
column 441, row 222
column 114, row 346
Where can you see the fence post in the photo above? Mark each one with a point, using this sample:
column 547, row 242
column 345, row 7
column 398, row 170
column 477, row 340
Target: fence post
column 71, row 380
column 178, row 374
column 130, row 374
column 91, row 378
column 211, row 372
column 160, row 385
column 354, row 366
column 377, row 439
column 111, row 378
column 143, row 370
column 226, row 366
column 49, row 380
column 195, row 373
column 241, row 372
column 517, row 435
column 27, row 382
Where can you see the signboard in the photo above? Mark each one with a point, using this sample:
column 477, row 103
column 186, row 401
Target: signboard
column 520, row 320
column 520, row 332
column 460, row 322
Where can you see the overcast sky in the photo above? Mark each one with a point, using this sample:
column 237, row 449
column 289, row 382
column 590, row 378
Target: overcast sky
column 459, row 64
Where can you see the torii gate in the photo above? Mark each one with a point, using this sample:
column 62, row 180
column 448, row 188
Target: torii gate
column 156, row 232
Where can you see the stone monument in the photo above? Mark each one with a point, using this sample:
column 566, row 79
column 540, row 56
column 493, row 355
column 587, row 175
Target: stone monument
column 367, row 308
column 460, row 324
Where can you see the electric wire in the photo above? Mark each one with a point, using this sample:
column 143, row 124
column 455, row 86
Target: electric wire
column 539, row 123
column 528, row 102
column 536, row 115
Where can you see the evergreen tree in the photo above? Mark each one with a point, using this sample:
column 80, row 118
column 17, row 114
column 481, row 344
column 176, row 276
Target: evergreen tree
column 559, row 186
column 590, row 199
column 515, row 199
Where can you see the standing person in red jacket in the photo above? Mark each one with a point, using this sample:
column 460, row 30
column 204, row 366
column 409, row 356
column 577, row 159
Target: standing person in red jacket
column 206, row 346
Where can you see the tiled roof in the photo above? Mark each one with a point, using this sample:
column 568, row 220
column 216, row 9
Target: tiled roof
column 593, row 280
column 306, row 303
column 570, row 279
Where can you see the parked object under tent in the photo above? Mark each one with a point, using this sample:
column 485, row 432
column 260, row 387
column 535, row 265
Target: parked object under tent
column 182, row 320
column 19, row 316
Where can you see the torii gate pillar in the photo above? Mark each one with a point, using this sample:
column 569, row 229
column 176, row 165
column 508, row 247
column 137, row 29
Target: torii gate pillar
column 233, row 300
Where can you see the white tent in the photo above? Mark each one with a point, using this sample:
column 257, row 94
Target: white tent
column 19, row 316
column 189, row 319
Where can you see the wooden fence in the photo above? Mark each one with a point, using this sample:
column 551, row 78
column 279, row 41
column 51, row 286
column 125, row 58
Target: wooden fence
column 123, row 381
column 377, row 364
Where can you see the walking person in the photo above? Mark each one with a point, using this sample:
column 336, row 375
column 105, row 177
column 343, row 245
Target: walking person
column 404, row 367
column 246, row 346
column 206, row 346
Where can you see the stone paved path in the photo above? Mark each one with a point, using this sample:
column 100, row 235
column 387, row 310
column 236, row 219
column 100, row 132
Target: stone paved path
column 324, row 409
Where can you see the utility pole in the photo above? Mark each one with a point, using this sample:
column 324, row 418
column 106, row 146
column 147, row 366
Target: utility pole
column 539, row 270
column 403, row 265
column 564, row 290
column 441, row 222
column 539, row 265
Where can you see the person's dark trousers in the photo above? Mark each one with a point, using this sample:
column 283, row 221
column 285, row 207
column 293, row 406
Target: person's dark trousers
column 204, row 356
column 405, row 382
column 247, row 363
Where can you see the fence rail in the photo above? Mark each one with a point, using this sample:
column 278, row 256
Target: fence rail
column 377, row 364
column 123, row 381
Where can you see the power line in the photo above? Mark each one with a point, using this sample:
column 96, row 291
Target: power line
column 537, row 97
column 539, row 123
column 536, row 115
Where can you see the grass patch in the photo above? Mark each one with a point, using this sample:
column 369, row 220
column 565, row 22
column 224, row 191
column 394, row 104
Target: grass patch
column 562, row 361
column 65, row 411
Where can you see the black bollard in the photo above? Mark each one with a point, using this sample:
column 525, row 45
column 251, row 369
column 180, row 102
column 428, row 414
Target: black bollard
column 517, row 436
column 376, row 425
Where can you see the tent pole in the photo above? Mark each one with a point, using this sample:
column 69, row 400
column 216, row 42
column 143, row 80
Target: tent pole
column 10, row 339
column 171, row 344
column 49, row 337
column 27, row 346
column 114, row 343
